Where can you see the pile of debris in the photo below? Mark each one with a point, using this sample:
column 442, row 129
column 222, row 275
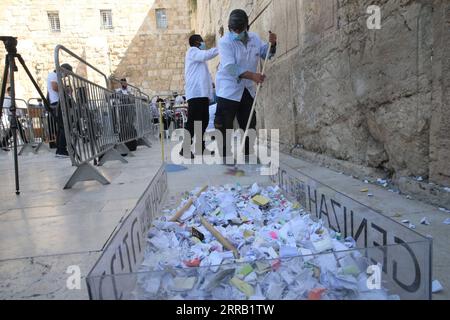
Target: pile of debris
column 234, row 242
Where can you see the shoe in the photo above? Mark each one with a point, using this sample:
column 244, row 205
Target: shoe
column 63, row 155
column 6, row 149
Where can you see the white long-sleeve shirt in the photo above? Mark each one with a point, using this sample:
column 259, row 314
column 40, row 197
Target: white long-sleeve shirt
column 197, row 77
column 236, row 59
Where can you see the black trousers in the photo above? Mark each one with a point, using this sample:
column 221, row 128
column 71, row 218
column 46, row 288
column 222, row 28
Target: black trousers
column 227, row 111
column 198, row 110
column 61, row 143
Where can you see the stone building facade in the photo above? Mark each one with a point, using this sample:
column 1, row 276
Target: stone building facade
column 374, row 98
column 122, row 38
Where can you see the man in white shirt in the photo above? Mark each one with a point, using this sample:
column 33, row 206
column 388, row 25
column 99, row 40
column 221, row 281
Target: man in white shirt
column 127, row 116
column 199, row 88
column 240, row 52
column 179, row 100
column 53, row 97
column 123, row 87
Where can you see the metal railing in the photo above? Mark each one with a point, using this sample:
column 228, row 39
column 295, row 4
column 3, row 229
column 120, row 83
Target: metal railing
column 115, row 84
column 98, row 121
column 6, row 134
column 40, row 126
column 174, row 116
column 142, row 104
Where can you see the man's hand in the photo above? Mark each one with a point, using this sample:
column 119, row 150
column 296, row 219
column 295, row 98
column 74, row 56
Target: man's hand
column 258, row 78
column 272, row 38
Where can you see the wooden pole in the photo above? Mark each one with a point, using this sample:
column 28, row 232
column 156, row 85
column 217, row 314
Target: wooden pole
column 258, row 88
column 188, row 204
column 223, row 241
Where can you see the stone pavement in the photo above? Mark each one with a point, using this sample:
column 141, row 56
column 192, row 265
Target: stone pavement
column 46, row 229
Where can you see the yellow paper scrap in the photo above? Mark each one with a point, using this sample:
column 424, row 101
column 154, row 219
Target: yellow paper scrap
column 296, row 205
column 260, row 200
column 248, row 234
column 243, row 286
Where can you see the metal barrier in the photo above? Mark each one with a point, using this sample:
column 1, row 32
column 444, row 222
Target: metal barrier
column 143, row 110
column 36, row 117
column 115, row 85
column 97, row 121
column 6, row 134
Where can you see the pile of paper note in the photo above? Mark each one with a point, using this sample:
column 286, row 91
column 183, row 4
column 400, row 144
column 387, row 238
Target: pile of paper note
column 283, row 252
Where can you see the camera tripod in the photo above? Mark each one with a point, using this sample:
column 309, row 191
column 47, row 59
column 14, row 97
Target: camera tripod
column 11, row 67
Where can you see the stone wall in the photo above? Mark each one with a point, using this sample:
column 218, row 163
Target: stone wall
column 150, row 58
column 377, row 98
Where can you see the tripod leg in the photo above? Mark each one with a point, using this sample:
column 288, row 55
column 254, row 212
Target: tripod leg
column 5, row 77
column 4, row 142
column 11, row 58
column 36, row 86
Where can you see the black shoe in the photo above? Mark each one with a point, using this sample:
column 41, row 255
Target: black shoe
column 6, row 149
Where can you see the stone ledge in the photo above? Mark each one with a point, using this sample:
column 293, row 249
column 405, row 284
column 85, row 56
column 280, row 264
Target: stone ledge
column 423, row 191
column 348, row 168
column 432, row 194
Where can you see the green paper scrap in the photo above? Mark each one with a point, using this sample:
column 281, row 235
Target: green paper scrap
column 243, row 286
column 352, row 270
column 246, row 270
column 216, row 212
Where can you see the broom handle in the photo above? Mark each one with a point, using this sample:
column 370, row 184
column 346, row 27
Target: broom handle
column 223, row 241
column 188, row 204
column 255, row 100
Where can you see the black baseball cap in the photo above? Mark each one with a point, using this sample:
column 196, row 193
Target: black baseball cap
column 238, row 20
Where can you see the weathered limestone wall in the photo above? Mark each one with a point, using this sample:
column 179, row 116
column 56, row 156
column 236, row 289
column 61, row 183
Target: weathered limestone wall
column 150, row 58
column 377, row 98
